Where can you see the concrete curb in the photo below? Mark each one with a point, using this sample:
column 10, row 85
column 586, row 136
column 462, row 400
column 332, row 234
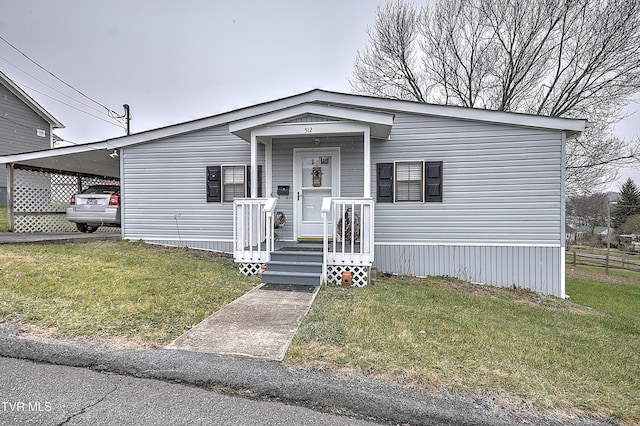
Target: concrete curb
column 60, row 238
column 260, row 378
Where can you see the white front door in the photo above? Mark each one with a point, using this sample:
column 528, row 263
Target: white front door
column 316, row 175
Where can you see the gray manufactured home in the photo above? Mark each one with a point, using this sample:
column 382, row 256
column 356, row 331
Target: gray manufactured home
column 404, row 187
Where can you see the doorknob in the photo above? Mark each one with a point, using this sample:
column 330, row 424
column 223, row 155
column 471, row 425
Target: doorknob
column 298, row 196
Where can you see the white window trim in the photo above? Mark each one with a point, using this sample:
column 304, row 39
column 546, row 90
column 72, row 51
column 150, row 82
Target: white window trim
column 222, row 179
column 422, row 182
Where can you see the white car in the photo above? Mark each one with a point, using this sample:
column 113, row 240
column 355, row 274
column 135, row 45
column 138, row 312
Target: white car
column 96, row 206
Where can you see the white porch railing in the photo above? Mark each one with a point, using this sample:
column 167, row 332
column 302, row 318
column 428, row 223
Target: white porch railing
column 253, row 232
column 350, row 241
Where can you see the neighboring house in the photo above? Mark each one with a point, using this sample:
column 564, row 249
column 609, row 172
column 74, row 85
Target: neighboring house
column 570, row 234
column 584, row 232
column 24, row 126
column 406, row 187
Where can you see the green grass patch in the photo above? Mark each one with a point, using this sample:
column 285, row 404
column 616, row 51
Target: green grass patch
column 437, row 334
column 524, row 349
column 4, row 222
column 108, row 289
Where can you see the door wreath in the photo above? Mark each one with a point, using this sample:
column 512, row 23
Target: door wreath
column 316, row 177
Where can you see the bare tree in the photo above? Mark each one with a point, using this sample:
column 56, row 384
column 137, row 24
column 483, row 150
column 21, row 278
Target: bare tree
column 458, row 51
column 562, row 58
column 389, row 66
column 631, row 225
column 591, row 157
column 589, row 210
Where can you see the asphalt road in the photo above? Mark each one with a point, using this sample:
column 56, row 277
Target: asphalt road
column 104, row 371
column 42, row 394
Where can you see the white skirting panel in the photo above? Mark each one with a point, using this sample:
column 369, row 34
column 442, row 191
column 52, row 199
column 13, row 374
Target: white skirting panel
column 535, row 268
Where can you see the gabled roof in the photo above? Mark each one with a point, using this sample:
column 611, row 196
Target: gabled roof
column 596, row 230
column 357, row 102
column 378, row 113
column 28, row 100
column 379, row 123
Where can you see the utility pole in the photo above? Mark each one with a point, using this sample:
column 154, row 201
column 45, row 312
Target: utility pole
column 127, row 117
column 606, row 265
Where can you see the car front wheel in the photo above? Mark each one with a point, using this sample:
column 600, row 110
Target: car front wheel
column 83, row 227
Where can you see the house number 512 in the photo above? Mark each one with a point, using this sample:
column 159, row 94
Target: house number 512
column 308, row 130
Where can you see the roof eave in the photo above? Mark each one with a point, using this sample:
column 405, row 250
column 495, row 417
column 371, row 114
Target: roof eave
column 456, row 112
column 349, row 101
column 379, row 123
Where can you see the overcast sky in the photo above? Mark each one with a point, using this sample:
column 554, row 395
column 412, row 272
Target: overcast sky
column 174, row 61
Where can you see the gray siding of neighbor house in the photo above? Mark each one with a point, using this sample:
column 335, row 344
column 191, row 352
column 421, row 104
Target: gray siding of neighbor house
column 165, row 193
column 18, row 131
column 500, row 218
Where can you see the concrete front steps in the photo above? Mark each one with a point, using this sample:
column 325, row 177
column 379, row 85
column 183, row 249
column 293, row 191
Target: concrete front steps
column 297, row 267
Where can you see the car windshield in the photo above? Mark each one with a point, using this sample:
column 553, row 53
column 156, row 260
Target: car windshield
column 101, row 189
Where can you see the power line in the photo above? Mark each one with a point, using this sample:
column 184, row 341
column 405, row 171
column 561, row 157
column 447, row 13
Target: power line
column 53, row 88
column 72, row 106
column 55, row 76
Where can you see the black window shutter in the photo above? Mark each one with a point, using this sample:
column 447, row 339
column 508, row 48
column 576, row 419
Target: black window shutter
column 259, row 181
column 433, row 184
column 213, row 183
column 385, row 183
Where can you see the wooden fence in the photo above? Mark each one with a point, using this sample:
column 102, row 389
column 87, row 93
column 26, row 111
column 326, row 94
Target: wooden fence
column 618, row 261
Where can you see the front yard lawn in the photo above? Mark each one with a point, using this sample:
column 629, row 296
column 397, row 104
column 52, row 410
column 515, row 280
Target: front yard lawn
column 527, row 351
column 106, row 289
column 437, row 334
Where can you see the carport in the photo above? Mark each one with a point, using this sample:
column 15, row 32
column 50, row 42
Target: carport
column 40, row 183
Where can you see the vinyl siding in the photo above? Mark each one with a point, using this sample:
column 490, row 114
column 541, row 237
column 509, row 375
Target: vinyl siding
column 164, row 187
column 535, row 268
column 502, row 184
column 18, row 129
column 351, row 171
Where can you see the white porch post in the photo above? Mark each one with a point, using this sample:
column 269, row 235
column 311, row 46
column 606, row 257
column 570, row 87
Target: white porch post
column 268, row 161
column 10, row 195
column 254, row 166
column 367, row 163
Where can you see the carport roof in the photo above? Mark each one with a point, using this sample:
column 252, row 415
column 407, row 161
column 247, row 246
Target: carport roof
column 94, row 158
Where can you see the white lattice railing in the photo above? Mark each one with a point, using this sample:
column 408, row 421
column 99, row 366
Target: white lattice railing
column 350, row 241
column 40, row 198
column 253, row 232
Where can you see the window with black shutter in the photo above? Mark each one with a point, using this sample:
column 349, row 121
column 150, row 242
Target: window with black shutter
column 409, row 181
column 433, row 181
column 226, row 182
column 385, row 183
column 213, row 184
column 234, row 182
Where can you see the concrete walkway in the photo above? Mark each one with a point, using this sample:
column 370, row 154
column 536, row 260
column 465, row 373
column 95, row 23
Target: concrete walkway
column 259, row 324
